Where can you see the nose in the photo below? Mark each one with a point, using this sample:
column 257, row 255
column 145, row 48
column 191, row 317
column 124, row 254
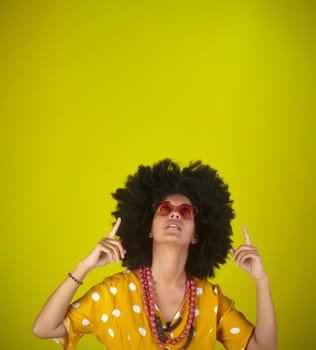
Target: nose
column 175, row 214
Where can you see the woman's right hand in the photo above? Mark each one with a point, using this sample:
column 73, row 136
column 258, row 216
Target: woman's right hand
column 106, row 251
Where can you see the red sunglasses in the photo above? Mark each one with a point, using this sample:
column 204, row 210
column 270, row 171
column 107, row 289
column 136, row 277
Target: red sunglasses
column 187, row 211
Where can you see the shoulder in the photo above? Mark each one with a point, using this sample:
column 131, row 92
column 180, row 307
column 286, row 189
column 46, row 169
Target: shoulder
column 120, row 277
column 210, row 292
column 114, row 285
column 122, row 280
column 204, row 286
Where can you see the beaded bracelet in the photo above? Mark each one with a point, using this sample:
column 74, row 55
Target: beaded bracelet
column 74, row 279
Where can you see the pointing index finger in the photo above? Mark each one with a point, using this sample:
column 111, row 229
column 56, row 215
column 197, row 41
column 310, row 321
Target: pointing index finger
column 246, row 235
column 115, row 228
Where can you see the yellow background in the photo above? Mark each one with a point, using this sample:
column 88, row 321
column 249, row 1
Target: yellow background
column 92, row 89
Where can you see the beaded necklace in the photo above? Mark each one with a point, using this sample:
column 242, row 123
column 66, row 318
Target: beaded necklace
column 160, row 333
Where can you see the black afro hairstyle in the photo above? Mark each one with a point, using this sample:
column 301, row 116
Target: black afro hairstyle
column 205, row 189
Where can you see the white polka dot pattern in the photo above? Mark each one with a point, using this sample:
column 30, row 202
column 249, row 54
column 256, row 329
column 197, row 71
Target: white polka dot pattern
column 96, row 296
column 116, row 313
column 85, row 322
column 136, row 308
column 199, row 291
column 113, row 290
column 111, row 332
column 104, row 318
column 234, row 330
column 142, row 331
column 132, row 286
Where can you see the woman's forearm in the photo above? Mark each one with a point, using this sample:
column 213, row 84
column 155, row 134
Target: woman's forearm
column 265, row 334
column 49, row 322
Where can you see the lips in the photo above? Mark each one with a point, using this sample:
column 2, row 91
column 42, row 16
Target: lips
column 174, row 225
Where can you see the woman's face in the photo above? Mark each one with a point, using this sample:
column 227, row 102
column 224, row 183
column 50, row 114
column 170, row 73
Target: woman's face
column 173, row 221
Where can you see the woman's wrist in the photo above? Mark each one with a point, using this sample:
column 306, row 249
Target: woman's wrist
column 75, row 279
column 262, row 281
column 80, row 271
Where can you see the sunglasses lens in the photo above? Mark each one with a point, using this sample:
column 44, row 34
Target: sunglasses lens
column 164, row 208
column 186, row 211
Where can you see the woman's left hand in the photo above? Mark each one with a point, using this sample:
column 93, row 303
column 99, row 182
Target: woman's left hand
column 248, row 258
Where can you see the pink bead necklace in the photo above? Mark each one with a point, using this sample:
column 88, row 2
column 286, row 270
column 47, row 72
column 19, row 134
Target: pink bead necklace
column 161, row 338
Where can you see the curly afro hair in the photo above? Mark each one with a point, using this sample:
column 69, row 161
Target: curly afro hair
column 205, row 189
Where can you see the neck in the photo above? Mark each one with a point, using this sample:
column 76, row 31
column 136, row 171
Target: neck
column 168, row 266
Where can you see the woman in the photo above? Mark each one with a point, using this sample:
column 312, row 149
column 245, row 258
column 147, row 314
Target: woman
column 172, row 229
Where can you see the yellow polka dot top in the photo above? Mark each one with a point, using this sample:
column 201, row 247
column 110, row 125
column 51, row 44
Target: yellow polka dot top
column 113, row 311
